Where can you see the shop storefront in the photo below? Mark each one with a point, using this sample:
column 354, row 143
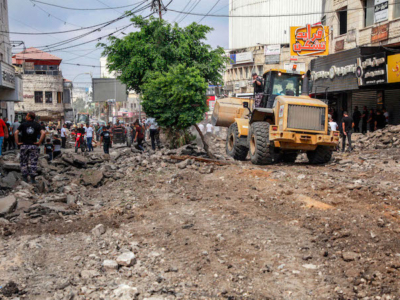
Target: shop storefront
column 358, row 77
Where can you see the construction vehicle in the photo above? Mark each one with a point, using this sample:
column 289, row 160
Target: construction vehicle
column 287, row 122
column 82, row 118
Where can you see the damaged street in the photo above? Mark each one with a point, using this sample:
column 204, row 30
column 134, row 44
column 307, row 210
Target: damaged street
column 155, row 225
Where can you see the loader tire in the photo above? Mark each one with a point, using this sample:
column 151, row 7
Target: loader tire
column 289, row 157
column 321, row 155
column 233, row 149
column 261, row 152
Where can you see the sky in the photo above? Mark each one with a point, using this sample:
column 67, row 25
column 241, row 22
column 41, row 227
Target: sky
column 28, row 18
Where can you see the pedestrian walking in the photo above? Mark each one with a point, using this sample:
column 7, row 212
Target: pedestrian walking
column 3, row 135
column 152, row 124
column 258, row 89
column 347, row 125
column 334, row 127
column 139, row 135
column 6, row 144
column 57, row 146
column 89, row 137
column 30, row 130
column 106, row 139
column 364, row 118
column 96, row 130
column 64, row 136
column 49, row 149
column 356, row 119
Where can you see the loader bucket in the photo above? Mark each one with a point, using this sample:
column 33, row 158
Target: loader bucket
column 227, row 109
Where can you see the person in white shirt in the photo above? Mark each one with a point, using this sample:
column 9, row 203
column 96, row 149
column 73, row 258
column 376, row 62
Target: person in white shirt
column 333, row 125
column 154, row 132
column 386, row 114
column 89, row 137
column 63, row 136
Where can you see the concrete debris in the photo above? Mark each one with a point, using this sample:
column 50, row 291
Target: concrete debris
column 126, row 259
column 7, row 205
column 99, row 230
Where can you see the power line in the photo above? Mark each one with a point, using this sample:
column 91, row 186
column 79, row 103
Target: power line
column 113, row 8
column 210, row 10
column 49, row 14
column 194, row 6
column 273, row 16
column 181, row 12
column 48, row 47
column 72, row 8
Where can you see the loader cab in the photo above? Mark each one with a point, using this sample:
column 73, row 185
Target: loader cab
column 281, row 82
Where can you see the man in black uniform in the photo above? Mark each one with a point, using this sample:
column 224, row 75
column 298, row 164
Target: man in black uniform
column 30, row 130
column 258, row 89
column 347, row 125
column 106, row 138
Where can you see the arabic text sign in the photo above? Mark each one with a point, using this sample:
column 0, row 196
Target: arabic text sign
column 272, row 50
column 393, row 68
column 380, row 33
column 309, row 40
column 371, row 69
column 381, row 11
column 244, row 57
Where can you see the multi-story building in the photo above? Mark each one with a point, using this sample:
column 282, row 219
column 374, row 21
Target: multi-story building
column 10, row 83
column 258, row 44
column 44, row 85
column 127, row 110
column 363, row 65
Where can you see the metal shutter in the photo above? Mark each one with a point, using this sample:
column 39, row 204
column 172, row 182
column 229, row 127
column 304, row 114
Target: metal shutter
column 392, row 104
column 363, row 98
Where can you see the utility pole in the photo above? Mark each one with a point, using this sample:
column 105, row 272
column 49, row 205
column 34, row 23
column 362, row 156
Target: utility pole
column 156, row 6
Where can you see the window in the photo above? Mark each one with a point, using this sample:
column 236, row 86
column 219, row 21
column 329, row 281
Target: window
column 38, row 97
column 323, row 20
column 396, row 10
column 260, row 71
column 59, row 97
column 49, row 97
column 240, row 73
column 369, row 12
column 286, row 82
column 342, row 16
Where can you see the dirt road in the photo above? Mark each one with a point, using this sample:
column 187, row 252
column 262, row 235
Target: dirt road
column 216, row 232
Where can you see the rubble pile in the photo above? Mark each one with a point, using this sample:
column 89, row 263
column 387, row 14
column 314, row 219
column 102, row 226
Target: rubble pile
column 62, row 185
column 386, row 138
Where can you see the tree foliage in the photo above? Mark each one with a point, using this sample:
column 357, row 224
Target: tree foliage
column 79, row 105
column 176, row 98
column 157, row 45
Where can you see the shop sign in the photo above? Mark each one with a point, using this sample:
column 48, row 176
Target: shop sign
column 272, row 59
column 310, row 40
column 244, row 57
column 7, row 78
column 393, row 68
column 381, row 11
column 380, row 33
column 334, row 71
column 211, row 105
column 233, row 59
column 371, row 69
column 272, row 50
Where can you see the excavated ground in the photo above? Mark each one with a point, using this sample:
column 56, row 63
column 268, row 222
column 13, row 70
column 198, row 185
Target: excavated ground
column 203, row 231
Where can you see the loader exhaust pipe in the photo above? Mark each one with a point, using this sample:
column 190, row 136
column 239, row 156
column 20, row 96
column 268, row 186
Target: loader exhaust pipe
column 305, row 91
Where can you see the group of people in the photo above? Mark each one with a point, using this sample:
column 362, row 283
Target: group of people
column 371, row 121
column 7, row 130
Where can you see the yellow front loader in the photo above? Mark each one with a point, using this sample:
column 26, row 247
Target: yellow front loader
column 287, row 123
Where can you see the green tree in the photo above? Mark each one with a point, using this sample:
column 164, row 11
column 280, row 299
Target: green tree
column 171, row 66
column 157, row 45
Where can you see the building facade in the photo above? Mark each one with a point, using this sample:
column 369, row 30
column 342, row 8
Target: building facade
column 363, row 66
column 259, row 44
column 44, row 85
column 10, row 82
